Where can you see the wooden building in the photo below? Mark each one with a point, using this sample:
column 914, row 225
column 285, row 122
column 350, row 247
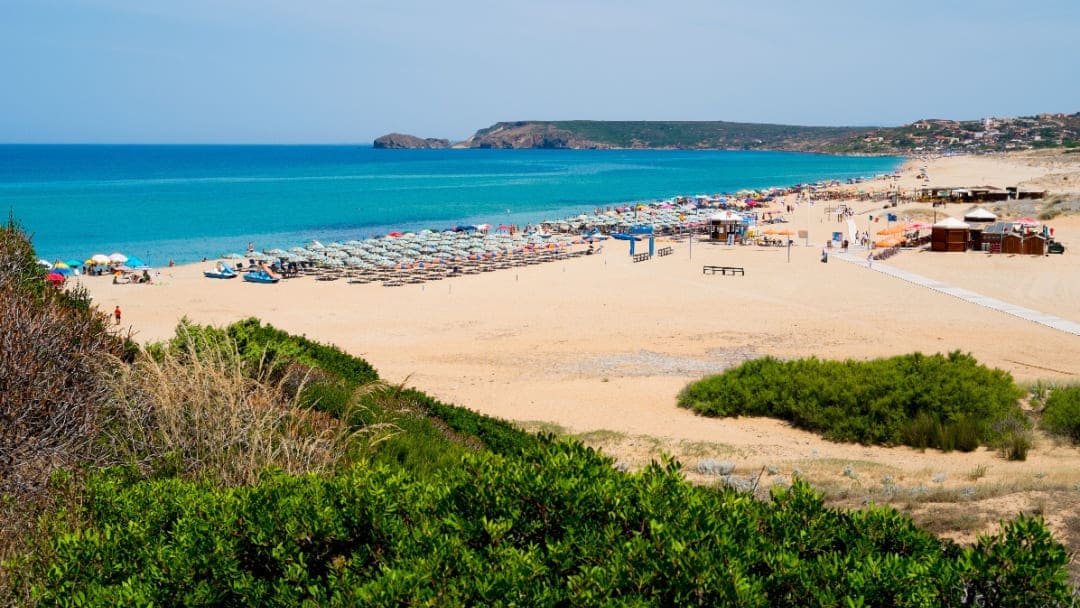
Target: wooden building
column 950, row 234
column 1007, row 237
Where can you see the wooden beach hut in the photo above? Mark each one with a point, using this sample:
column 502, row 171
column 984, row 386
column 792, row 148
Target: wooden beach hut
column 1008, row 237
column 978, row 215
column 977, row 218
column 950, row 234
column 725, row 226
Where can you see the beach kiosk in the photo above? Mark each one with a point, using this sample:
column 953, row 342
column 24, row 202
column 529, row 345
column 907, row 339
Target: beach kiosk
column 1014, row 238
column 978, row 218
column 950, row 234
column 725, row 226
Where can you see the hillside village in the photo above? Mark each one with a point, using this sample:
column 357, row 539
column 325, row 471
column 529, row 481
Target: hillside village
column 987, row 135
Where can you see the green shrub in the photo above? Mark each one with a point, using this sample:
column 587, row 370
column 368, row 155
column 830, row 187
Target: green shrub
column 555, row 526
column 1013, row 437
column 1061, row 416
column 947, row 402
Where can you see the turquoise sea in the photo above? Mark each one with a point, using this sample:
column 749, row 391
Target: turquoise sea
column 188, row 202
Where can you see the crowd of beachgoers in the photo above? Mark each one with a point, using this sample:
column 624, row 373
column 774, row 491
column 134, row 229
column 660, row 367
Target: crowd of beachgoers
column 398, row 257
column 415, row 257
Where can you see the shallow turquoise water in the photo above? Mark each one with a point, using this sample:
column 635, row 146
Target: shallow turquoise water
column 189, row 202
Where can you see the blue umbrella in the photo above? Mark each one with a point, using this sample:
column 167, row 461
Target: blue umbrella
column 67, row 272
column 135, row 262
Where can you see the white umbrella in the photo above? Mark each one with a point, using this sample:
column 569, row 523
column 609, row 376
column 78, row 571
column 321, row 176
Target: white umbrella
column 118, row 257
column 100, row 258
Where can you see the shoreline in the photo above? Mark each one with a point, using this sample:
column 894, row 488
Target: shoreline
column 357, row 210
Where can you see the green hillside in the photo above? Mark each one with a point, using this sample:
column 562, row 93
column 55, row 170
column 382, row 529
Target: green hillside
column 718, row 134
column 924, row 136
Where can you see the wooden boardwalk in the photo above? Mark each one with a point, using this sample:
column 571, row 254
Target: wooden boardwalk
column 1069, row 327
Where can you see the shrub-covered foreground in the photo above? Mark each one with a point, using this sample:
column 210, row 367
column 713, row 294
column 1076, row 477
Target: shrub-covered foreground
column 946, row 402
column 1061, row 415
column 556, row 525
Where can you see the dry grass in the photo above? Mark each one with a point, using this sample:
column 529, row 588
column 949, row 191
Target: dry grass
column 199, row 412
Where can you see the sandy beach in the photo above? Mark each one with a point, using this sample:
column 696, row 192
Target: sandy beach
column 600, row 346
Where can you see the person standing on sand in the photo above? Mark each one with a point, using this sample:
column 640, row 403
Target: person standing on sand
column 116, row 314
column 870, row 260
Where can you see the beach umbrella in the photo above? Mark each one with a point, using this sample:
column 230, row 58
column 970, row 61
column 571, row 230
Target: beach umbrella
column 135, row 262
column 118, row 257
column 74, row 263
column 1026, row 221
column 100, row 258
column 64, row 270
column 897, row 229
column 60, row 264
column 891, row 241
column 44, row 263
column 55, row 278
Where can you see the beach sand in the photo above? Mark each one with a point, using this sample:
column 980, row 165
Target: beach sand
column 600, row 346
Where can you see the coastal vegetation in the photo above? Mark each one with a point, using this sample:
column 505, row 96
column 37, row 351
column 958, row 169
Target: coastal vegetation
column 924, row 136
column 947, row 402
column 246, row 466
column 1061, row 415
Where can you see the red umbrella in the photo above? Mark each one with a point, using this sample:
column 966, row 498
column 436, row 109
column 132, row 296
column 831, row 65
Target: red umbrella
column 55, row 278
column 1027, row 221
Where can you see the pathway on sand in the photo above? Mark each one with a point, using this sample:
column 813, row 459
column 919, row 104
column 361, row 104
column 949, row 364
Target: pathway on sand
column 1050, row 321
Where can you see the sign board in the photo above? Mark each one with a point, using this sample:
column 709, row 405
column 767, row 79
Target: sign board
column 803, row 234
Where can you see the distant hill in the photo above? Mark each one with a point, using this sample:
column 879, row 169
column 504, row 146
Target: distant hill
column 924, row 136
column 590, row 134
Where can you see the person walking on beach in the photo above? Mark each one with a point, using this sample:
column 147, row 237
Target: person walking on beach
column 870, row 260
column 116, row 314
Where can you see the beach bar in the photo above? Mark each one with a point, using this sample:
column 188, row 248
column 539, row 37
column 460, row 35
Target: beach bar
column 950, row 234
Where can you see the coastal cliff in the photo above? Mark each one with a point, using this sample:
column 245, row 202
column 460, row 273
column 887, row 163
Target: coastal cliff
column 411, row 142
column 924, row 136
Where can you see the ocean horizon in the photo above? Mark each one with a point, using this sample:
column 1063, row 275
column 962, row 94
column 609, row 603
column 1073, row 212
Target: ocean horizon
column 187, row 202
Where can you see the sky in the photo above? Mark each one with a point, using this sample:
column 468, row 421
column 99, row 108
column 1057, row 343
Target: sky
column 348, row 71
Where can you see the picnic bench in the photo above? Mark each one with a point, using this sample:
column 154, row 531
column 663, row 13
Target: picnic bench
column 641, row 257
column 663, row 251
column 725, row 270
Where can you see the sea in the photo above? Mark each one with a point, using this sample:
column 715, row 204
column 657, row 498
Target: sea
column 188, row 202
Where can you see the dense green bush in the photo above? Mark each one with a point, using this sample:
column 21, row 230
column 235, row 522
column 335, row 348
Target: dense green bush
column 260, row 341
column 947, row 402
column 557, row 526
column 1061, row 415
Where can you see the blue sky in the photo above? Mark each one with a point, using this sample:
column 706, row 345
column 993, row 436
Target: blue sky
column 347, row 71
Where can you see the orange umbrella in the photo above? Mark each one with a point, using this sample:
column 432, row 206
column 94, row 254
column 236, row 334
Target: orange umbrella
column 897, row 229
column 891, row 241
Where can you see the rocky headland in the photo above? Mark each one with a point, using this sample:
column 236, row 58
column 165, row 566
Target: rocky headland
column 410, row 142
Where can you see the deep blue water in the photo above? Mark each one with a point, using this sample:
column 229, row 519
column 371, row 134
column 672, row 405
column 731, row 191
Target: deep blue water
column 189, row 202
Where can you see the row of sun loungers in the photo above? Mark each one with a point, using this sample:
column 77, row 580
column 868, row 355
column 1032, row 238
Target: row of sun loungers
column 394, row 277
